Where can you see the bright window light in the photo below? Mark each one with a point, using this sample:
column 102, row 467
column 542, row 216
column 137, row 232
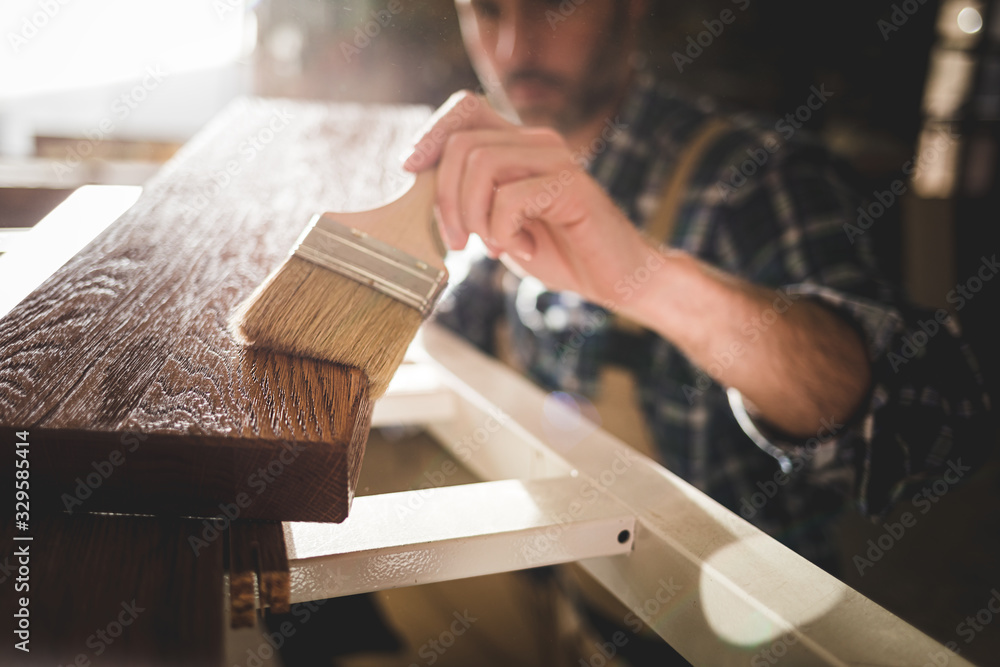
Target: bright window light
column 58, row 45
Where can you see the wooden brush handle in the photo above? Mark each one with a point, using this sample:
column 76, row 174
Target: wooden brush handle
column 407, row 223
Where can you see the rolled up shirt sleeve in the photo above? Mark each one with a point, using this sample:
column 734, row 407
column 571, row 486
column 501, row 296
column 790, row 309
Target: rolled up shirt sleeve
column 927, row 412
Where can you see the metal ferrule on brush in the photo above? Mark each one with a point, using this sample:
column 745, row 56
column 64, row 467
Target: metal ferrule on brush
column 356, row 255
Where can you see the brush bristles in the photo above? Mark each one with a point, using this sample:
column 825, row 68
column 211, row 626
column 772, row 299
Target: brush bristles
column 308, row 311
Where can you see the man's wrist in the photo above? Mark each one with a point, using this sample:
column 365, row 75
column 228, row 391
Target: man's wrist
column 649, row 295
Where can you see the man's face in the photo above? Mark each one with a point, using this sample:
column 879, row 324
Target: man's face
column 552, row 63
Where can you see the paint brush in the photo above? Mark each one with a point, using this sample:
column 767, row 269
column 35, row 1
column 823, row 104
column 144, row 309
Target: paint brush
column 355, row 288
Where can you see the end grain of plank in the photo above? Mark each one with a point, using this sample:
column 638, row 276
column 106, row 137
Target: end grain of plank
column 258, row 571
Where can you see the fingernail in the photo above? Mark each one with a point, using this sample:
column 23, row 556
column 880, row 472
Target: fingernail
column 523, row 256
column 408, row 158
column 453, row 240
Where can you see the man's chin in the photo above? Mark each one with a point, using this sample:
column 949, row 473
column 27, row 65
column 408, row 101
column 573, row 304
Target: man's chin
column 555, row 110
column 566, row 122
column 543, row 115
column 538, row 115
column 536, row 104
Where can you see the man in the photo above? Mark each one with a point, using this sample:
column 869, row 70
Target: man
column 763, row 312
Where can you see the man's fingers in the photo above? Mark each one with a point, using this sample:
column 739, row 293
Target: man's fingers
column 518, row 204
column 454, row 237
column 490, row 167
column 463, row 111
column 524, row 246
column 473, row 161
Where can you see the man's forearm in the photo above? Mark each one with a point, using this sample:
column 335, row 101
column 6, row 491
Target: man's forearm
column 794, row 360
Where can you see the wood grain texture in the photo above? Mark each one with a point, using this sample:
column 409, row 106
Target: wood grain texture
column 114, row 590
column 124, row 354
column 272, row 567
column 242, row 578
column 258, row 571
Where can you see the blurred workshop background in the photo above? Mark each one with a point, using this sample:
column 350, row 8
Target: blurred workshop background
column 105, row 91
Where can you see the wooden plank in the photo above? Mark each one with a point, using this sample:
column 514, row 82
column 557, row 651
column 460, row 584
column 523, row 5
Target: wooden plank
column 124, row 358
column 272, row 566
column 242, row 578
column 258, row 571
column 113, row 590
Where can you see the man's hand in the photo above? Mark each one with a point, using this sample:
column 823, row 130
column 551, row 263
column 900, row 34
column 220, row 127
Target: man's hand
column 521, row 191
column 533, row 205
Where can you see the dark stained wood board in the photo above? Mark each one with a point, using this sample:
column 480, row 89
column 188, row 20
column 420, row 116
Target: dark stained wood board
column 124, row 356
column 259, row 575
column 113, row 590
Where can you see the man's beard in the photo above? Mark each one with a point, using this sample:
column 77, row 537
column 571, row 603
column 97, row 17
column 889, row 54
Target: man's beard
column 583, row 99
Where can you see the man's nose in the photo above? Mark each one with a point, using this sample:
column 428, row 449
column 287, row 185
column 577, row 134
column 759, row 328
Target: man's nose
column 516, row 41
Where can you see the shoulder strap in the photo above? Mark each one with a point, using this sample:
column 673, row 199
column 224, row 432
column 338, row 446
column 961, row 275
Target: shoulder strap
column 660, row 227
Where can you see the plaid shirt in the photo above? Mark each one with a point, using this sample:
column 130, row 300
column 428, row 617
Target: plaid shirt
column 767, row 203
